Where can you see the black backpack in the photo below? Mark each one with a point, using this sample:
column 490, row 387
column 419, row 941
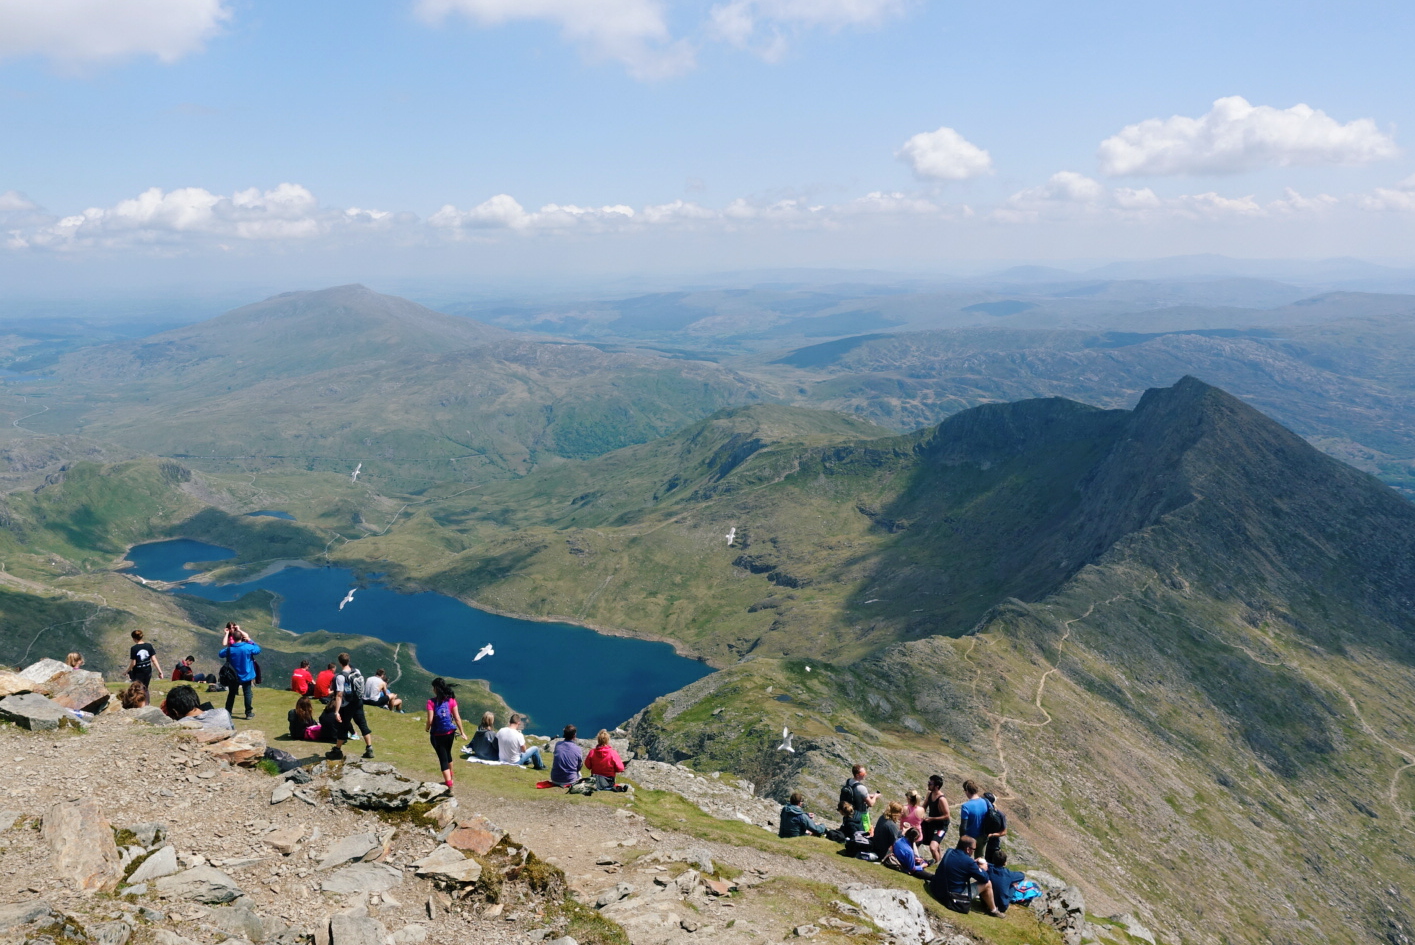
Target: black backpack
column 355, row 681
column 993, row 821
column 227, row 675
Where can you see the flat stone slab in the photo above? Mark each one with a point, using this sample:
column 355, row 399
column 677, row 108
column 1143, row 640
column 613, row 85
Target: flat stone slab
column 374, row 785
column 356, row 930
column 349, row 849
column 16, row 914
column 475, row 834
column 35, row 712
column 362, row 878
column 43, row 671
column 199, row 884
column 160, row 864
column 448, row 865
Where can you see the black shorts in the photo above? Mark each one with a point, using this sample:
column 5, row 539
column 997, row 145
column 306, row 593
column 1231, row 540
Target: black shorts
column 354, row 713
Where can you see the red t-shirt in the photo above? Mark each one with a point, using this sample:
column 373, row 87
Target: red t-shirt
column 323, row 683
column 301, row 681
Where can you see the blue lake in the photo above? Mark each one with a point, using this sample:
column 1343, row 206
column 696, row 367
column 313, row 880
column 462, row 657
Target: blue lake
column 555, row 672
column 272, row 513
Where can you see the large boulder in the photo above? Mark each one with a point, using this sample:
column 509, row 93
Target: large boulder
column 37, row 713
column 199, row 884
column 373, row 785
column 11, row 683
column 77, row 689
column 43, row 671
column 14, row 915
column 898, row 912
column 81, row 845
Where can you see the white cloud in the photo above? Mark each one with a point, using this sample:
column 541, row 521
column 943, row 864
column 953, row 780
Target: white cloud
column 632, row 32
column 504, row 212
column 1069, row 195
column 1236, row 136
column 739, row 22
column 944, row 155
column 79, row 31
column 1401, row 197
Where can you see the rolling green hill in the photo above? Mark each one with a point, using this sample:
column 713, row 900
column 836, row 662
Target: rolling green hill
column 327, row 380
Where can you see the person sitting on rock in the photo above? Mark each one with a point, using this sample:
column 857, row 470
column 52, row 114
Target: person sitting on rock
column 795, row 822
column 377, row 693
column 1002, row 880
column 566, row 759
column 302, row 680
column 484, row 745
column 184, row 703
column 511, row 745
column 886, row 830
column 303, row 727
column 604, row 763
column 904, row 859
column 75, row 660
column 953, row 881
column 134, row 697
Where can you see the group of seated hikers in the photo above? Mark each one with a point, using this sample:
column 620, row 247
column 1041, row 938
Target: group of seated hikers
column 507, row 746
column 910, row 836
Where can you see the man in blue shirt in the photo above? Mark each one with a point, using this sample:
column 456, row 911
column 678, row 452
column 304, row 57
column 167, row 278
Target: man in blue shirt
column 972, row 811
column 957, row 872
column 241, row 655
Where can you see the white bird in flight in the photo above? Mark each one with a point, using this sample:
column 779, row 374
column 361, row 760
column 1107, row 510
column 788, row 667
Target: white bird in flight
column 731, row 535
column 347, row 598
column 355, row 475
column 484, row 651
column 786, row 741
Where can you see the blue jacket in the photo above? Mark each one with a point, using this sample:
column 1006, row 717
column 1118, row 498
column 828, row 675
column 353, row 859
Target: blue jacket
column 241, row 656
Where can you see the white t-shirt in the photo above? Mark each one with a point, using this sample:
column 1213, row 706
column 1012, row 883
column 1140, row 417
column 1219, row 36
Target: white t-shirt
column 373, row 688
column 510, row 743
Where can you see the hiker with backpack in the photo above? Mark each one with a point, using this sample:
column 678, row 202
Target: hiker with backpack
column 937, row 817
column 349, row 709
column 972, row 811
column 953, row 882
column 855, row 793
column 239, row 669
column 852, row 829
column 994, row 828
column 443, row 722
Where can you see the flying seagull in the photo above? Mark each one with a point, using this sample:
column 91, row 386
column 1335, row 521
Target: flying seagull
column 484, row 651
column 786, row 741
column 731, row 536
column 808, row 669
column 348, row 598
column 355, row 475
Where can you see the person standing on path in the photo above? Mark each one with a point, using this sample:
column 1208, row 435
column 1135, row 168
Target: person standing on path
column 443, row 722
column 142, row 661
column 240, row 654
column 349, row 707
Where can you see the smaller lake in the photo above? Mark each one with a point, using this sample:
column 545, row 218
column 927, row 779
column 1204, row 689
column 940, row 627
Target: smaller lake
column 557, row 673
column 167, row 560
column 272, row 513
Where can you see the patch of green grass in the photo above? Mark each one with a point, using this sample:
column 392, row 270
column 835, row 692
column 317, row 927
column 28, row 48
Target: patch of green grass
column 586, row 925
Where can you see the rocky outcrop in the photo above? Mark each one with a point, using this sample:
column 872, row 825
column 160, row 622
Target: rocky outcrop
column 157, row 865
column 19, row 914
column 475, row 834
column 81, row 845
column 898, row 912
column 448, row 867
column 77, row 689
column 724, row 799
column 375, row 785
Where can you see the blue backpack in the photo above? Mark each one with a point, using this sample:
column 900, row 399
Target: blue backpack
column 1025, row 891
column 442, row 721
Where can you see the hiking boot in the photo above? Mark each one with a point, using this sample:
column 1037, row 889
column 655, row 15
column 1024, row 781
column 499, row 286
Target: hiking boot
column 368, row 752
column 334, row 754
column 250, row 715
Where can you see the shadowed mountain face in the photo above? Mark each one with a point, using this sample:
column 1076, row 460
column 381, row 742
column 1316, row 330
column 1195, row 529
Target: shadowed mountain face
column 326, row 380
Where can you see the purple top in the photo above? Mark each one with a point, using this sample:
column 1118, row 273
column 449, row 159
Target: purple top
column 565, row 769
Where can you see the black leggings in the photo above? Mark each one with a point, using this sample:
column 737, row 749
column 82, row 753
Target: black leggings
column 442, row 744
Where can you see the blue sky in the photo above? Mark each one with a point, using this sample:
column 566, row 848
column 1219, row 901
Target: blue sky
column 780, row 126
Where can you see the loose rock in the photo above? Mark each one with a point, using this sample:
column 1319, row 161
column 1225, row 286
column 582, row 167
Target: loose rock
column 35, row 712
column 356, row 930
column 898, row 912
column 362, row 879
column 159, row 864
column 199, row 884
column 348, row 850
column 81, row 845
